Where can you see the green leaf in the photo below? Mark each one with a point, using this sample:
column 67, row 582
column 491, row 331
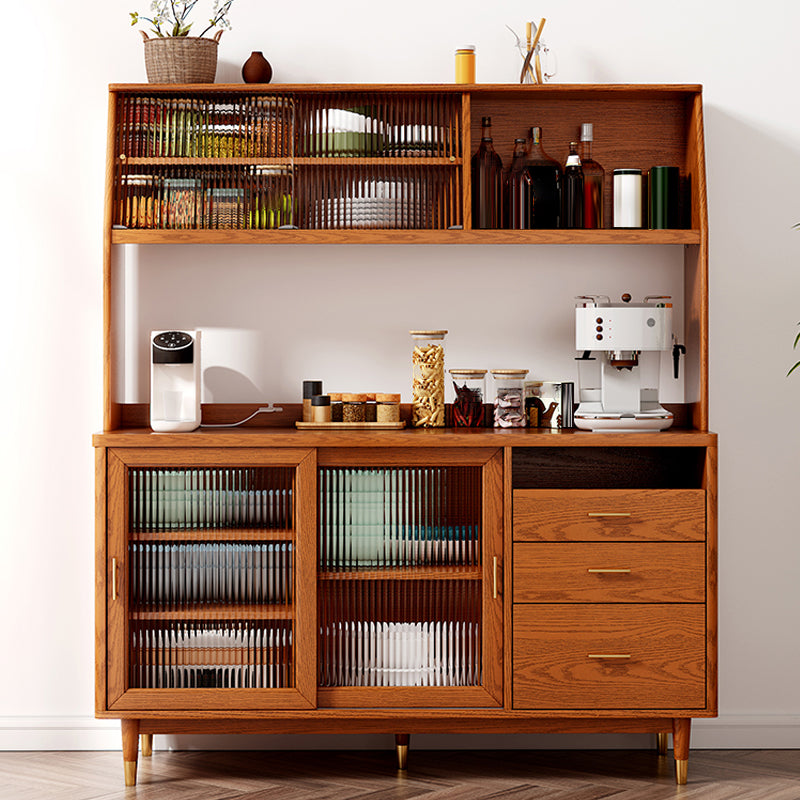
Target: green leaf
column 793, row 369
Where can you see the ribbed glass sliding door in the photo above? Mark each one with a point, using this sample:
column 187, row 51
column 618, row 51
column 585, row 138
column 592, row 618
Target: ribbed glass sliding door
column 408, row 579
column 205, row 572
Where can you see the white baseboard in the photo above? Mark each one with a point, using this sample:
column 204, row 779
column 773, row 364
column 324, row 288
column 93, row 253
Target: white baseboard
column 86, row 733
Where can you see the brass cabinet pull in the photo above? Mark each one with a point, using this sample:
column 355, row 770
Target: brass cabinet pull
column 609, row 571
column 609, row 513
column 113, row 578
column 608, row 655
column 494, row 578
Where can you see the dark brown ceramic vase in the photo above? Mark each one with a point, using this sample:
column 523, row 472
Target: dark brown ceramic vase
column 256, row 69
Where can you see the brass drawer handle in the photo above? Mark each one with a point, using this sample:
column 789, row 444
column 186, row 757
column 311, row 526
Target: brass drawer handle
column 608, row 655
column 609, row 571
column 113, row 578
column 609, row 513
column 494, row 578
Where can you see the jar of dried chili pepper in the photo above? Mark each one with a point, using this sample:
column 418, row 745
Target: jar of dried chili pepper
column 470, row 389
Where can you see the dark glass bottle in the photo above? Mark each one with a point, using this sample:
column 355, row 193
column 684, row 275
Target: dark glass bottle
column 573, row 189
column 593, row 181
column 546, row 178
column 519, row 197
column 487, row 182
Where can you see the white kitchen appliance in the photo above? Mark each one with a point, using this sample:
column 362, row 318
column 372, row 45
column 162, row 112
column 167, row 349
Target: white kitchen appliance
column 175, row 381
column 620, row 367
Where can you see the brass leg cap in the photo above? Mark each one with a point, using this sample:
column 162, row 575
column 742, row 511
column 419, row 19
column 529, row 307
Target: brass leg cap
column 130, row 773
column 402, row 756
column 681, row 770
column 663, row 739
column 147, row 744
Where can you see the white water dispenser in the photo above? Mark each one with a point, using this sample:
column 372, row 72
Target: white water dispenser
column 175, row 381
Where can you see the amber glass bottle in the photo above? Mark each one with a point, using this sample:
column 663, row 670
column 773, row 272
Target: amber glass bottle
column 519, row 196
column 546, row 177
column 487, row 182
column 573, row 189
column 593, row 181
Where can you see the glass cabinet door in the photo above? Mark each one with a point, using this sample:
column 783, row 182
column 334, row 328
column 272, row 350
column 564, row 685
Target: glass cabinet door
column 211, row 575
column 409, row 605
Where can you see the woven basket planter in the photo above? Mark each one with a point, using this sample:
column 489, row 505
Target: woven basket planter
column 181, row 59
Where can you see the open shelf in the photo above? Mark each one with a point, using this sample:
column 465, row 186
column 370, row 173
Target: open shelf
column 406, row 236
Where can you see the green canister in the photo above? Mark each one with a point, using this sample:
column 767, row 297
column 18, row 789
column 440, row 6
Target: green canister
column 665, row 188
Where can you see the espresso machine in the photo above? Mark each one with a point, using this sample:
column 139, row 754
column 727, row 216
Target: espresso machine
column 619, row 371
column 175, row 381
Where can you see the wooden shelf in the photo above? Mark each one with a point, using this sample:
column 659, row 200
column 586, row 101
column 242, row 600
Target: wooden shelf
column 302, row 161
column 214, row 535
column 409, row 236
column 424, row 573
column 212, row 612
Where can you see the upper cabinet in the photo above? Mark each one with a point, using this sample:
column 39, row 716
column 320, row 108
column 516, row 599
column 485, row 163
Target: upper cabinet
column 234, row 163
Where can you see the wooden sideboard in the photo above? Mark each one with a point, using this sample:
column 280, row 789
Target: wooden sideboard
column 265, row 579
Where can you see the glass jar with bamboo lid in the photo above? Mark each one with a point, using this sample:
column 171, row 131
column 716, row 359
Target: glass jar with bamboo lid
column 470, row 389
column 387, row 407
column 509, row 400
column 427, row 389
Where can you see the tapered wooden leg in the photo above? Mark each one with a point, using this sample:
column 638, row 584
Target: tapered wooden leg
column 662, row 740
column 147, row 744
column 681, row 732
column 130, row 749
column 401, row 743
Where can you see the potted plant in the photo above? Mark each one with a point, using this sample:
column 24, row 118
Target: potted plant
column 173, row 56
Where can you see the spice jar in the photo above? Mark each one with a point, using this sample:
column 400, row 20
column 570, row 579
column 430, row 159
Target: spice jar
column 354, row 407
column 370, row 410
column 427, row 390
column 509, row 401
column 534, row 407
column 320, row 408
column 387, row 407
column 336, row 406
column 470, row 387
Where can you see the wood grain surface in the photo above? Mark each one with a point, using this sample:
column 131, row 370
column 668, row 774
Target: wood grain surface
column 609, row 515
column 609, row 572
column 609, row 656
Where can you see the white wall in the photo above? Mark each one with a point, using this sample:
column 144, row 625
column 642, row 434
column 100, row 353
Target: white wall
column 58, row 58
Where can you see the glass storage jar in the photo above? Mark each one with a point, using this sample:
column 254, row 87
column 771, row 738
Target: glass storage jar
column 427, row 390
column 387, row 407
column 336, row 406
column 509, row 400
column 470, row 388
column 354, row 407
column 370, row 409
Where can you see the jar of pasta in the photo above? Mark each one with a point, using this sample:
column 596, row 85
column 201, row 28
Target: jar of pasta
column 427, row 389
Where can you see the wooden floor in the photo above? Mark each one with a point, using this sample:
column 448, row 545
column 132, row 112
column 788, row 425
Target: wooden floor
column 432, row 775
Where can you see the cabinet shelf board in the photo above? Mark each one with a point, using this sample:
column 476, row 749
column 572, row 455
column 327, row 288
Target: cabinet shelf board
column 507, row 89
column 300, row 161
column 431, row 573
column 213, row 535
column 403, row 236
column 409, row 437
column 214, row 611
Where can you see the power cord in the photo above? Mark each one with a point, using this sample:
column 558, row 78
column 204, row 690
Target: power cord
column 262, row 410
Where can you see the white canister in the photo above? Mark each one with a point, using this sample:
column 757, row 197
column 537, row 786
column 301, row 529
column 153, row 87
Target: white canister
column 627, row 198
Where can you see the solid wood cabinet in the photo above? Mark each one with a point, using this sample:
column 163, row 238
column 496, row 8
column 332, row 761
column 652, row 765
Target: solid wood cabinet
column 266, row 579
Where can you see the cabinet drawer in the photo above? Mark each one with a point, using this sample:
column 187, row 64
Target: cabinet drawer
column 609, row 572
column 609, row 515
column 629, row 656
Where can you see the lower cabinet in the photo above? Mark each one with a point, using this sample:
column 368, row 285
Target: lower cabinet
column 404, row 589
